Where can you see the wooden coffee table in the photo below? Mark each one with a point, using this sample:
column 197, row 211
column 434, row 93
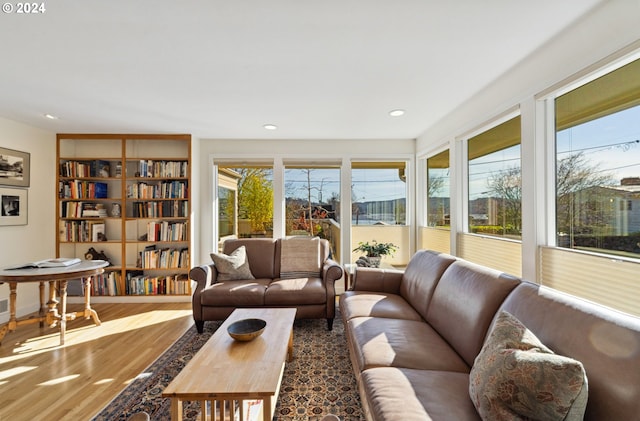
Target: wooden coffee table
column 225, row 371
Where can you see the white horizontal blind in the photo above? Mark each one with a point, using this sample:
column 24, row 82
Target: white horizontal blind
column 437, row 239
column 609, row 281
column 500, row 254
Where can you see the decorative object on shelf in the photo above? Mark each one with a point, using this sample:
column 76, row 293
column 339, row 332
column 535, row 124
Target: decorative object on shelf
column 13, row 206
column 93, row 254
column 246, row 329
column 115, row 210
column 14, row 168
column 374, row 252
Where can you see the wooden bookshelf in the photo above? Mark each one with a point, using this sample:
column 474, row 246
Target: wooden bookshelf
column 127, row 196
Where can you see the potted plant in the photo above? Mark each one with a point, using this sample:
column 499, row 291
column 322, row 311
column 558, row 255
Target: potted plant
column 374, row 251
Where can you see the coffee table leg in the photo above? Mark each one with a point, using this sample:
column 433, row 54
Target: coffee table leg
column 203, row 410
column 266, row 409
column 176, row 409
column 290, row 348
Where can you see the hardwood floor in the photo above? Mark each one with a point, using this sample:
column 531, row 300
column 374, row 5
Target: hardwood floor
column 39, row 379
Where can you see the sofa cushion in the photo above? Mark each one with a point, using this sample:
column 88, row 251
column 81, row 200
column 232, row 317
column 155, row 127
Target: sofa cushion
column 263, row 254
column 464, row 303
column 248, row 293
column 300, row 257
column 380, row 342
column 376, row 304
column 232, row 266
column 393, row 394
column 516, row 377
column 299, row 291
column 421, row 277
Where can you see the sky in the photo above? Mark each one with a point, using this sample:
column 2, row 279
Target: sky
column 367, row 185
column 612, row 142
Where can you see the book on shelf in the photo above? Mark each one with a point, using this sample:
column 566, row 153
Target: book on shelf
column 94, row 210
column 47, row 263
column 140, row 284
column 98, row 232
column 95, row 168
column 82, row 231
column 80, row 189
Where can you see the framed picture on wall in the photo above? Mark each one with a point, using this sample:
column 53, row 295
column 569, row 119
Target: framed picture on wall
column 14, row 168
column 13, row 206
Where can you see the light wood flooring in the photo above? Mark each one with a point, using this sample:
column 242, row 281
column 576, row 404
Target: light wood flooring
column 41, row 380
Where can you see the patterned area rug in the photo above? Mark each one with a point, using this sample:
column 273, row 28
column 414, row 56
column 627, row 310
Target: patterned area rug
column 319, row 381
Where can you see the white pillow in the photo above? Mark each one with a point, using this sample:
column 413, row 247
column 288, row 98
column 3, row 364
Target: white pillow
column 234, row 266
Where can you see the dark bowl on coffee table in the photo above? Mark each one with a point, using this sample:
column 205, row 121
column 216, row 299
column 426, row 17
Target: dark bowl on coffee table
column 246, row 329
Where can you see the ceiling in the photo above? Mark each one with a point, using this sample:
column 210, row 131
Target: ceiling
column 330, row 69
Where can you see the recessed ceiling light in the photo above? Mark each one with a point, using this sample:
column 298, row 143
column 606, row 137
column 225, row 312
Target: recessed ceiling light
column 396, row 113
column 270, row 126
column 51, row 117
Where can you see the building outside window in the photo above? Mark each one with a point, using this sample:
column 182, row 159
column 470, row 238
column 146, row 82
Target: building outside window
column 598, row 164
column 227, row 203
column 495, row 184
column 253, row 207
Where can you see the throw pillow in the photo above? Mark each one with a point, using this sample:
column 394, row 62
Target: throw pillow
column 234, row 266
column 516, row 377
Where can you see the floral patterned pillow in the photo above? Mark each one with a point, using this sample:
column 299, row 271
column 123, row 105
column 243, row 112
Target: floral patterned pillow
column 234, row 266
column 516, row 377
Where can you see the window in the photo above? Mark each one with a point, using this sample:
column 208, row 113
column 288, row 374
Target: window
column 598, row 164
column 312, row 201
column 252, row 206
column 379, row 209
column 495, row 191
column 378, row 193
column 438, row 211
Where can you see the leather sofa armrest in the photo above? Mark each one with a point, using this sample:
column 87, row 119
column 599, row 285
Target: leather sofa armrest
column 204, row 276
column 376, row 279
column 331, row 271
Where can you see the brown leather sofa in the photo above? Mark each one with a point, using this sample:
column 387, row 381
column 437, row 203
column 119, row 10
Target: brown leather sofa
column 413, row 337
column 313, row 297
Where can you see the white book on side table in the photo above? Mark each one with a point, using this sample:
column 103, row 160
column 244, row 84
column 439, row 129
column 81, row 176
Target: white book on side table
column 48, row 263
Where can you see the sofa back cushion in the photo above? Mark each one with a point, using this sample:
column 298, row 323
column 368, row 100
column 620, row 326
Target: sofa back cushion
column 261, row 254
column 606, row 342
column 464, row 303
column 421, row 277
column 302, row 257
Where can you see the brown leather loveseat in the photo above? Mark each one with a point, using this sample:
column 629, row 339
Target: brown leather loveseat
column 277, row 266
column 423, row 341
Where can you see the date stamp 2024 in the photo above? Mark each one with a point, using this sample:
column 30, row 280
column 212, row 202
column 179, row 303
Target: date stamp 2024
column 24, row 8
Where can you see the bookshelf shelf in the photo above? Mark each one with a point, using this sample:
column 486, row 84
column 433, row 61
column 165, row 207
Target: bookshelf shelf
column 116, row 190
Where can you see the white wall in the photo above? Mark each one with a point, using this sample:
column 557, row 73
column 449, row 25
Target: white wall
column 607, row 29
column 210, row 149
column 36, row 240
